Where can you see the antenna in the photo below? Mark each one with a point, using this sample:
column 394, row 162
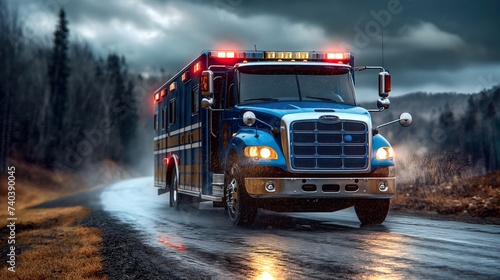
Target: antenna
column 382, row 49
column 255, row 47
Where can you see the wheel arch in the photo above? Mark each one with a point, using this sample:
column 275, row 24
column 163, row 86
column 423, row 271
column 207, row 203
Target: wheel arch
column 172, row 168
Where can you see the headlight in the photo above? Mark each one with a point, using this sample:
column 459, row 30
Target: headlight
column 384, row 153
column 262, row 152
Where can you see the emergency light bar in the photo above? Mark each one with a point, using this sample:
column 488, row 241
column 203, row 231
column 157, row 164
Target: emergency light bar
column 225, row 54
column 335, row 57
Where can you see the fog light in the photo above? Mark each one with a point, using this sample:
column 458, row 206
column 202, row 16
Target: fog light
column 383, row 186
column 270, row 186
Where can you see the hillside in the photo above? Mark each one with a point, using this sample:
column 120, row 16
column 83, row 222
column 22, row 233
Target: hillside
column 452, row 135
column 426, row 105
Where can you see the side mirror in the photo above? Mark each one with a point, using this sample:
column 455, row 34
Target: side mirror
column 249, row 118
column 207, row 83
column 384, row 84
column 383, row 103
column 405, row 119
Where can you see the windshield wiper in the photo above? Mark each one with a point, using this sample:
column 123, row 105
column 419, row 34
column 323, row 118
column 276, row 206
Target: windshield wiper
column 261, row 99
column 322, row 99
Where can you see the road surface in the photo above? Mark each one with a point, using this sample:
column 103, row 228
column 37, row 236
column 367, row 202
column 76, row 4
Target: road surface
column 302, row 246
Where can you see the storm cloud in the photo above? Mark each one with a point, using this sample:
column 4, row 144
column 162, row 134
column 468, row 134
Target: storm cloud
column 433, row 46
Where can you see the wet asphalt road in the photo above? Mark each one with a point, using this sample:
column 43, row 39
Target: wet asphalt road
column 303, row 246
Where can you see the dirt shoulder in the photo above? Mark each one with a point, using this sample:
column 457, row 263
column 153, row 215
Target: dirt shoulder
column 475, row 200
column 124, row 255
column 50, row 242
column 62, row 233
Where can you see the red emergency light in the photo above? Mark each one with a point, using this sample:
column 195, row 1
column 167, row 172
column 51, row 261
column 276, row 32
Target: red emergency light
column 339, row 56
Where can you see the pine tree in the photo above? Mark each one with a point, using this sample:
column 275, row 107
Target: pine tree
column 123, row 109
column 471, row 131
column 58, row 73
column 128, row 124
column 12, row 66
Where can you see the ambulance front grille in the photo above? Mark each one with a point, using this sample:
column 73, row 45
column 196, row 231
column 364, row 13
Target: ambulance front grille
column 322, row 146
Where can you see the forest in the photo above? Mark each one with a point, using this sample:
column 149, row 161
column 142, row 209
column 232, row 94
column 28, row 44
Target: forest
column 63, row 107
column 453, row 136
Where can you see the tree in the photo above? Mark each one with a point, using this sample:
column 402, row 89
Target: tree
column 471, row 130
column 123, row 109
column 488, row 135
column 128, row 124
column 58, row 73
column 12, row 66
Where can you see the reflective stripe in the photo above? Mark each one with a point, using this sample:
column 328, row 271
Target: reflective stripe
column 179, row 131
column 179, row 148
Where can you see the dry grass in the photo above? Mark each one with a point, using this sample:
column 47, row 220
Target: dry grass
column 50, row 246
column 475, row 197
column 48, row 243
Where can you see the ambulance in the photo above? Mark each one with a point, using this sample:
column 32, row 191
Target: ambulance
column 275, row 130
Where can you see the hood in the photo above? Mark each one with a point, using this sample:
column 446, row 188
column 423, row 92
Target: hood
column 280, row 109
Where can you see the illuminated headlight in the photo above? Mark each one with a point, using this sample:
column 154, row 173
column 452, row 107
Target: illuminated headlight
column 384, row 153
column 262, row 152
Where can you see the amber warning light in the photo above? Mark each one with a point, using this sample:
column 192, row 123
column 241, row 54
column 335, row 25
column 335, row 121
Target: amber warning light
column 197, row 67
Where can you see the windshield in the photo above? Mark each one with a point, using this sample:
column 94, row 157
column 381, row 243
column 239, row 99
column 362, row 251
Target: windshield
column 295, row 83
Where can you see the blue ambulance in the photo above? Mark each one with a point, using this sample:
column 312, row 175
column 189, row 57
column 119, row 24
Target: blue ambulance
column 276, row 130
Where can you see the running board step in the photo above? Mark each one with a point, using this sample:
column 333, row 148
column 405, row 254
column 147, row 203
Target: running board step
column 218, row 185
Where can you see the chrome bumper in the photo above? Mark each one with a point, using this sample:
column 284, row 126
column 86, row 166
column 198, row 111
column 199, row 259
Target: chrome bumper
column 321, row 187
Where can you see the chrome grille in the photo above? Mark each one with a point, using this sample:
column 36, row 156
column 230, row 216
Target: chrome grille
column 317, row 145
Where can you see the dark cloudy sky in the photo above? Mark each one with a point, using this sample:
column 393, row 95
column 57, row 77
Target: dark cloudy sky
column 433, row 46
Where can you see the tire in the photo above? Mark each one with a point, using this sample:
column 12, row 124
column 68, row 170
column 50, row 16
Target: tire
column 372, row 211
column 240, row 206
column 174, row 195
column 181, row 201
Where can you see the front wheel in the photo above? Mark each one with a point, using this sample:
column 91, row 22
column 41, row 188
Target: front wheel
column 372, row 211
column 240, row 206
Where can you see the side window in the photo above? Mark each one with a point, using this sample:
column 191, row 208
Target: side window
column 230, row 91
column 218, row 84
column 163, row 118
column 171, row 112
column 155, row 122
column 195, row 96
column 230, row 96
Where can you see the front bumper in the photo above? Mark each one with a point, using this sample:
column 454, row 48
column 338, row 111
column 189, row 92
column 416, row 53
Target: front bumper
column 321, row 187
